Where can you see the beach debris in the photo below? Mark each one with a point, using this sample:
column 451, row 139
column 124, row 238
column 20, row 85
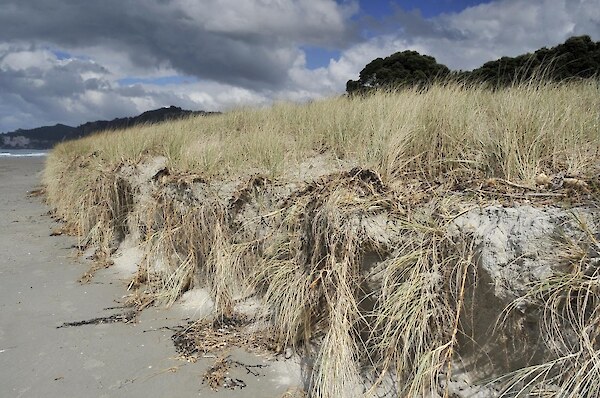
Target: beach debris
column 34, row 193
column 542, row 179
column 95, row 267
column 199, row 338
column 216, row 338
column 217, row 376
column 63, row 230
column 295, row 393
column 123, row 317
column 574, row 183
column 492, row 182
column 7, row 348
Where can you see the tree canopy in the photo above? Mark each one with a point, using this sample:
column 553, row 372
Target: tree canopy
column 578, row 57
column 399, row 69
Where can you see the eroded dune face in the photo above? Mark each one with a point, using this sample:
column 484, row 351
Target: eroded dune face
column 417, row 243
column 361, row 277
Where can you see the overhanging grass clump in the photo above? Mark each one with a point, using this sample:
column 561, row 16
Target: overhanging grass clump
column 352, row 261
column 312, row 275
column 93, row 200
column 189, row 238
column 418, row 315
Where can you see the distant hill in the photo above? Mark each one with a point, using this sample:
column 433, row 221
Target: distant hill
column 46, row 137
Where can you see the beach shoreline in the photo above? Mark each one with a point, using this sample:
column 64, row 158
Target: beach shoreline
column 39, row 293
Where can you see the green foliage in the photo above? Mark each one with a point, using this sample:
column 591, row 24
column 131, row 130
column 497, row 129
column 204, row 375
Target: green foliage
column 407, row 68
column 576, row 58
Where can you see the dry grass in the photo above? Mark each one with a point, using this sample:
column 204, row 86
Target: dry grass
column 312, row 275
column 188, row 239
column 514, row 133
column 569, row 308
column 227, row 216
column 416, row 317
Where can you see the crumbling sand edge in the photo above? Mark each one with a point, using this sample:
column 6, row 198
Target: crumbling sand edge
column 234, row 237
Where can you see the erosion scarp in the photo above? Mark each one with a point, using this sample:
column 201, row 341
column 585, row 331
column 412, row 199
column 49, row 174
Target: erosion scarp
column 417, row 288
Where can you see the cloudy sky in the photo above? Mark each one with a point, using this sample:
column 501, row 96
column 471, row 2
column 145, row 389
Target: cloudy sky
column 71, row 61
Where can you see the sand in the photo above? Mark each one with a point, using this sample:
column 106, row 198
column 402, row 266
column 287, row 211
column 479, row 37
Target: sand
column 39, row 292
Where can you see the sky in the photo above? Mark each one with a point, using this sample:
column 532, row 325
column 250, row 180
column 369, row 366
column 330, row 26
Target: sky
column 73, row 61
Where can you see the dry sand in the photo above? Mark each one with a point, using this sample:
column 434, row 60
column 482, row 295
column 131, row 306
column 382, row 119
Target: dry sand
column 39, row 292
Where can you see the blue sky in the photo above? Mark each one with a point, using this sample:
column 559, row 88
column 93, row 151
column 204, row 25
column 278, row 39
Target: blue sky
column 61, row 65
column 428, row 8
column 317, row 57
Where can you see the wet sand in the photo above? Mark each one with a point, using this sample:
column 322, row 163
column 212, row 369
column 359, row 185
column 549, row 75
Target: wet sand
column 39, row 292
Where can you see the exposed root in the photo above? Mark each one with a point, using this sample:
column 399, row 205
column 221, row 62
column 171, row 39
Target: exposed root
column 357, row 274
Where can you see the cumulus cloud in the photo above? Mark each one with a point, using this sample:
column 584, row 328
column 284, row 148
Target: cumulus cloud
column 38, row 88
column 467, row 39
column 245, row 42
column 237, row 51
column 511, row 27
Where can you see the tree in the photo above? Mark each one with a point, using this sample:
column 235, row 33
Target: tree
column 578, row 57
column 407, row 68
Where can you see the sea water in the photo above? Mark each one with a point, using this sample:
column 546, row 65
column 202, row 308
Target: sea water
column 21, row 153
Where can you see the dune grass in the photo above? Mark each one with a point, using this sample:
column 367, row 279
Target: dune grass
column 513, row 133
column 307, row 264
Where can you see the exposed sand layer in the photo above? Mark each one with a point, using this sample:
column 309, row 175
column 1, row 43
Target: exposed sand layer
column 345, row 269
column 39, row 292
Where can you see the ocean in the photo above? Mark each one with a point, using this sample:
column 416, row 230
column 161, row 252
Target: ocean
column 22, row 153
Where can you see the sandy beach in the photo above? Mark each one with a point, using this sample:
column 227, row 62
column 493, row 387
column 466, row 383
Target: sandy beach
column 39, row 292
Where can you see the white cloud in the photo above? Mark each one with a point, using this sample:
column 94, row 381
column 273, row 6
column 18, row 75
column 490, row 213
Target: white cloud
column 508, row 27
column 249, row 43
column 240, row 51
column 308, row 21
column 467, row 39
column 25, row 59
column 40, row 89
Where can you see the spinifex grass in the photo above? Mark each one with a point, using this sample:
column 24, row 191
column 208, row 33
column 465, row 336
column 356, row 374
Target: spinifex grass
column 416, row 318
column 309, row 261
column 513, row 133
column 188, row 242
